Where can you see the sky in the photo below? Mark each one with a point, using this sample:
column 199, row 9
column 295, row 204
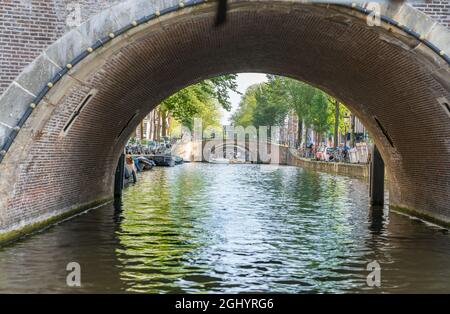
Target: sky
column 244, row 80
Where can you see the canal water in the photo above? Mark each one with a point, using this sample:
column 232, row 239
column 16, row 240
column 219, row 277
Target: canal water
column 199, row 228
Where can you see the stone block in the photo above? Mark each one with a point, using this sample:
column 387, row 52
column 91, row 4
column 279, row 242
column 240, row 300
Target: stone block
column 415, row 20
column 13, row 104
column 4, row 133
column 99, row 26
column 36, row 75
column 439, row 36
column 127, row 12
column 67, row 48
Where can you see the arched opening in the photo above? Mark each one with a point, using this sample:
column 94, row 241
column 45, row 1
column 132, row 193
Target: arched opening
column 65, row 154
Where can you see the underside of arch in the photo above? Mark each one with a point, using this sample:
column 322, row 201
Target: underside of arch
column 393, row 82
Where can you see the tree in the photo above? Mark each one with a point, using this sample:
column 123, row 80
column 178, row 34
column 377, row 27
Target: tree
column 314, row 107
column 190, row 102
column 262, row 104
column 344, row 121
column 321, row 114
column 267, row 104
column 271, row 108
column 300, row 95
column 243, row 116
column 219, row 88
column 336, row 123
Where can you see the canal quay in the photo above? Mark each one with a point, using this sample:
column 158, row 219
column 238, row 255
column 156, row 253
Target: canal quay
column 222, row 147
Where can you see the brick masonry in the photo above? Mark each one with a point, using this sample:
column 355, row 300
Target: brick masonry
column 351, row 170
column 437, row 9
column 379, row 74
column 29, row 26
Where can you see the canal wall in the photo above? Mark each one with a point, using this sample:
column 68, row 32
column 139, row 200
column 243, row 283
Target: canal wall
column 345, row 169
column 288, row 157
column 34, row 225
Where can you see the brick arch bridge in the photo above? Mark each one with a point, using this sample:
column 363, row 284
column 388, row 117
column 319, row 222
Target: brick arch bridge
column 65, row 119
column 249, row 150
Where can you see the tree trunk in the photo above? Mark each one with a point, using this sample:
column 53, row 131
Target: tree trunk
column 163, row 123
column 158, row 128
column 141, row 130
column 299, row 131
column 150, row 133
column 304, row 133
column 352, row 131
column 169, row 120
column 155, row 125
column 336, row 123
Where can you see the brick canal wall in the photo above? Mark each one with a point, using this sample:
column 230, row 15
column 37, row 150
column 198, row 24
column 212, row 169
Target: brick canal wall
column 289, row 158
column 345, row 169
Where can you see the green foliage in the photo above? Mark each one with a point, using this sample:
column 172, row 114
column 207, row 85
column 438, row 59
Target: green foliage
column 243, row 116
column 268, row 103
column 321, row 113
column 262, row 104
column 344, row 121
column 271, row 109
column 185, row 104
column 201, row 100
column 220, row 86
column 300, row 96
column 133, row 140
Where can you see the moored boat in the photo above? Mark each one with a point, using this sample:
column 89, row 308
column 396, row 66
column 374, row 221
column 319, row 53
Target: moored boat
column 219, row 161
column 145, row 163
column 162, row 160
column 178, row 160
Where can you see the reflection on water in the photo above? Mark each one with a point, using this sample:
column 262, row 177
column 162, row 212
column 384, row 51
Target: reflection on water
column 233, row 228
